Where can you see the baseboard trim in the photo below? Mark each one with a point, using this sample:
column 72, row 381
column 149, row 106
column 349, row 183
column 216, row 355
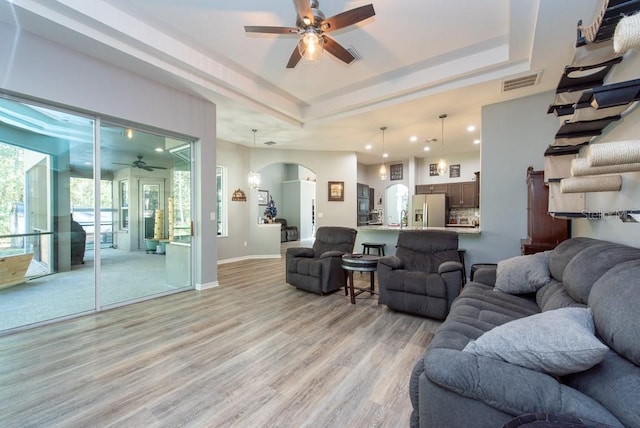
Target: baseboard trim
column 254, row 257
column 207, row 286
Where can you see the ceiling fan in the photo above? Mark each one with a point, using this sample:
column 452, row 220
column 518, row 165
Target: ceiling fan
column 140, row 164
column 313, row 27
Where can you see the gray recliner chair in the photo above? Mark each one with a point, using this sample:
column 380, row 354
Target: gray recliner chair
column 319, row 269
column 424, row 276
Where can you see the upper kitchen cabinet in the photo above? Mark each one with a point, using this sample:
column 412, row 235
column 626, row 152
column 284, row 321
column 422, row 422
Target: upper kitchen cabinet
column 463, row 194
column 426, row 189
column 362, row 190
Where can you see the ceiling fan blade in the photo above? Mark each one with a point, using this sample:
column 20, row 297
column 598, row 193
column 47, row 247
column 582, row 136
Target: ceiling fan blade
column 295, row 57
column 154, row 167
column 147, row 168
column 270, row 30
column 336, row 49
column 347, row 18
column 118, row 163
column 303, row 9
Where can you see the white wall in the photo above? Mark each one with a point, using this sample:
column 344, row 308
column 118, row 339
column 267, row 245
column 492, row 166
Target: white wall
column 235, row 158
column 327, row 166
column 515, row 135
column 628, row 198
column 34, row 67
column 469, row 164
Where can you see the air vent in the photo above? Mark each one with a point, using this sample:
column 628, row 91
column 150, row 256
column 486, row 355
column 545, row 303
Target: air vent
column 521, row 82
column 270, row 143
column 355, row 53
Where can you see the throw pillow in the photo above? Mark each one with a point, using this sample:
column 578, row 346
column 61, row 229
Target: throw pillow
column 523, row 274
column 557, row 342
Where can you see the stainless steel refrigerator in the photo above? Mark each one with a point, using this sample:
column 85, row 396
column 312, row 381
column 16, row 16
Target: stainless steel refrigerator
column 429, row 210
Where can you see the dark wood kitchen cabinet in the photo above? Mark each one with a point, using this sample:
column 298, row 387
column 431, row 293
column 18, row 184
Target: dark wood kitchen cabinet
column 463, row 195
column 426, row 189
column 543, row 231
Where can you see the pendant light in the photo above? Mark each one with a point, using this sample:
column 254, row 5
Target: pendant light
column 442, row 163
column 382, row 172
column 254, row 177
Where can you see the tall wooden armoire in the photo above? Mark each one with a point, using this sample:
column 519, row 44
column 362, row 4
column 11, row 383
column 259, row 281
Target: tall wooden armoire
column 543, row 231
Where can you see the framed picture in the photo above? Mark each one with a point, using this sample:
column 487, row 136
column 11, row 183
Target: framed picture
column 433, row 170
column 396, row 172
column 454, row 171
column 336, row 191
column 263, row 197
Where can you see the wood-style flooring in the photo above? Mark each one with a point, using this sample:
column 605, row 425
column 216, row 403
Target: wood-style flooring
column 253, row 352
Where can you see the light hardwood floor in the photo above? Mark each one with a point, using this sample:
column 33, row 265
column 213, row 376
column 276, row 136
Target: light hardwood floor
column 253, row 352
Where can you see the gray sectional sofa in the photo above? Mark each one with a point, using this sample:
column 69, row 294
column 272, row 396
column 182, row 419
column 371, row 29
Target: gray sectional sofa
column 467, row 380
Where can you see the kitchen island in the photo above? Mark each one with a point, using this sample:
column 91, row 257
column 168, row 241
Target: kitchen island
column 467, row 237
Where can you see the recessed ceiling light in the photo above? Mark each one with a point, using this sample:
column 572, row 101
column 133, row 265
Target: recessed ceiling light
column 368, row 147
column 471, row 128
column 413, row 139
column 476, row 141
column 386, row 155
column 159, row 149
column 427, row 148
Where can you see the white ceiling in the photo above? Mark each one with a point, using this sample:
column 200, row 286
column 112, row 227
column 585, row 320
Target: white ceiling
column 420, row 58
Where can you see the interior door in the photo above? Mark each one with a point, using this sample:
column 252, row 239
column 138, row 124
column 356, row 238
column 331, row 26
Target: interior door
column 152, row 225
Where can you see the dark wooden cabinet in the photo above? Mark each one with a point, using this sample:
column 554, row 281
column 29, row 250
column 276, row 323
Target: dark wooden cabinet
column 543, row 231
column 426, row 189
column 363, row 204
column 463, row 195
column 362, row 190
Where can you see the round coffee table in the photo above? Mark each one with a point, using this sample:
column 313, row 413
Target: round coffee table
column 359, row 263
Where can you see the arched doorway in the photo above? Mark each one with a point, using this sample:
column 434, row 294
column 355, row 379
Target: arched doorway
column 396, row 204
column 293, row 190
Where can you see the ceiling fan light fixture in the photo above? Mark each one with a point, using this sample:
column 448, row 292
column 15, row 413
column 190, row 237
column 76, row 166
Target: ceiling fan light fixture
column 312, row 45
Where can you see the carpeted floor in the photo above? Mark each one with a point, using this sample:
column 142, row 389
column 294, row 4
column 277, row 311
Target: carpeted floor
column 124, row 276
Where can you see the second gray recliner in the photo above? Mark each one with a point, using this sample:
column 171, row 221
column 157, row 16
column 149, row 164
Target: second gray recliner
column 424, row 276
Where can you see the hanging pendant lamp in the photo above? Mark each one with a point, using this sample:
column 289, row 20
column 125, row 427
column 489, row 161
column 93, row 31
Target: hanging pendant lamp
column 382, row 172
column 254, row 177
column 442, row 163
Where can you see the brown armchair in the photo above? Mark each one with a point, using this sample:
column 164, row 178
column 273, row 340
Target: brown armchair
column 319, row 269
column 424, row 276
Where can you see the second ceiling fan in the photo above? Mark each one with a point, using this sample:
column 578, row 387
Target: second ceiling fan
column 312, row 25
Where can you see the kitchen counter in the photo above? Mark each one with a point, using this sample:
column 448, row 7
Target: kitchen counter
column 386, row 228
column 467, row 238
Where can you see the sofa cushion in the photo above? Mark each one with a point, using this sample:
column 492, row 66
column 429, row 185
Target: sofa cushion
column 523, row 274
column 564, row 252
column 591, row 263
column 614, row 302
column 615, row 384
column 554, row 296
column 477, row 310
column 557, row 342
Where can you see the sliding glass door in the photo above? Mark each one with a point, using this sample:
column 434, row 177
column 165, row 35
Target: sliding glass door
column 74, row 238
column 44, row 274
column 142, row 260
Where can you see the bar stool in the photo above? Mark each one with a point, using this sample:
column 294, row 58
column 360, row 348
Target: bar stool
column 367, row 246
